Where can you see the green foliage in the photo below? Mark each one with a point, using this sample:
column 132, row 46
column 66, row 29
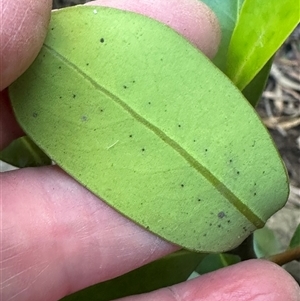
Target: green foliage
column 295, row 241
column 266, row 243
column 254, row 89
column 261, row 28
column 145, row 128
column 23, row 152
column 213, row 262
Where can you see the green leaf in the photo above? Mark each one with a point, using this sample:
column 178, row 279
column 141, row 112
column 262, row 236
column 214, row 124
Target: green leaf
column 227, row 12
column 213, row 262
column 164, row 272
column 255, row 88
column 23, row 152
column 261, row 29
column 265, row 243
column 148, row 130
column 295, row 241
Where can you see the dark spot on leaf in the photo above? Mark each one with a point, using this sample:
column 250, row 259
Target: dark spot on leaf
column 125, row 87
column 143, row 149
column 101, row 40
column 74, row 95
column 87, row 64
column 179, row 125
column 60, row 97
column 84, row 118
column 194, row 140
column 219, row 226
column 204, row 234
column 230, row 160
column 238, row 172
column 199, row 200
column 133, row 81
column 52, row 28
column 206, row 149
column 59, row 67
column 254, row 193
column 182, row 185
column 101, row 110
column 229, row 221
column 130, row 136
column 210, row 224
column 149, row 103
column 34, row 114
column 221, row 214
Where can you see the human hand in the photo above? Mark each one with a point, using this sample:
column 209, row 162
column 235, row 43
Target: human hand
column 57, row 237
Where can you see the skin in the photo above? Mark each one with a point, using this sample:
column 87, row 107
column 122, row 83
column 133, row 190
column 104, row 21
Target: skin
column 57, row 237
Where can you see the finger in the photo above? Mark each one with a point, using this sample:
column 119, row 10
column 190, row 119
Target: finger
column 253, row 280
column 191, row 18
column 23, row 25
column 57, row 237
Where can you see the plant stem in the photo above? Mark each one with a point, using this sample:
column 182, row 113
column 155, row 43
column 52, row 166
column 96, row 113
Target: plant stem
column 286, row 256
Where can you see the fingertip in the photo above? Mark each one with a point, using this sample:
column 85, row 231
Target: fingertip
column 23, row 26
column 253, row 280
column 275, row 280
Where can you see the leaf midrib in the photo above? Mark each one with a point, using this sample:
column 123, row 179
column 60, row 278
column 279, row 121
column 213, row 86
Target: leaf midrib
column 217, row 184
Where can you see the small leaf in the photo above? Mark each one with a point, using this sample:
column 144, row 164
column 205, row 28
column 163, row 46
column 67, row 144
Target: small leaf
column 265, row 243
column 213, row 262
column 147, row 129
column 23, row 152
column 166, row 271
column 262, row 28
column 227, row 13
column 295, row 241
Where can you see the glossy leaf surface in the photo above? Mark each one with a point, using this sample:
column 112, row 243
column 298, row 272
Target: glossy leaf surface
column 141, row 118
column 261, row 29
